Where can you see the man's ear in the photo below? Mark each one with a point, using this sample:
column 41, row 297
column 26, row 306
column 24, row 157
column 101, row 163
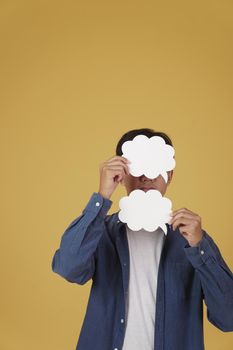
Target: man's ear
column 170, row 175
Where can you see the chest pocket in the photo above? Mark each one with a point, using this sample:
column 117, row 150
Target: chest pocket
column 182, row 280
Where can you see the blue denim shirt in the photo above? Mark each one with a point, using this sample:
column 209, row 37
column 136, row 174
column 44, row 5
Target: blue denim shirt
column 94, row 246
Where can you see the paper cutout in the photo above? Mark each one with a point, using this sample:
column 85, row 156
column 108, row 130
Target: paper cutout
column 145, row 210
column 149, row 156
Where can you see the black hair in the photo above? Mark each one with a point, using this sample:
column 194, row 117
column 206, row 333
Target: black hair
column 129, row 136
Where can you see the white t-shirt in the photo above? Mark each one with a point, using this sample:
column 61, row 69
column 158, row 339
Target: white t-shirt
column 144, row 251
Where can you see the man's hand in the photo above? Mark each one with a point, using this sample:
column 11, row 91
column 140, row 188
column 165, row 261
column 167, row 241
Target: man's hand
column 112, row 172
column 189, row 225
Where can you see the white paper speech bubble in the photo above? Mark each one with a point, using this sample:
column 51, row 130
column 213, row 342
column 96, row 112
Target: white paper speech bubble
column 145, row 210
column 149, row 156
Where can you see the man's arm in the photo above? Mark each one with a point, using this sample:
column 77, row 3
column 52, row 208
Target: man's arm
column 216, row 280
column 75, row 258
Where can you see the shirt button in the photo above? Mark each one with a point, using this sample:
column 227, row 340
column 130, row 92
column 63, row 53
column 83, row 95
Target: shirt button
column 115, row 349
column 202, row 252
column 122, row 320
column 124, row 264
column 97, row 204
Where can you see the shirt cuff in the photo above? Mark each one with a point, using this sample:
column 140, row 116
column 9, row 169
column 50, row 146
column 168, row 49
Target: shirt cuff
column 200, row 254
column 98, row 204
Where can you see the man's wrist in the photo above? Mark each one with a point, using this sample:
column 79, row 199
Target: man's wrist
column 104, row 195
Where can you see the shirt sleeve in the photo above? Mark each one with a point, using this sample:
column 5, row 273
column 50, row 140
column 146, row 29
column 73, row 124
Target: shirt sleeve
column 216, row 281
column 74, row 260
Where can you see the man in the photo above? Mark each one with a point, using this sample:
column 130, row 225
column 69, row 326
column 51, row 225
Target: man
column 147, row 288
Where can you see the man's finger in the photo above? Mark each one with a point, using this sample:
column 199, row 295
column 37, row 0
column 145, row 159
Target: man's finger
column 183, row 221
column 182, row 210
column 184, row 215
column 184, row 230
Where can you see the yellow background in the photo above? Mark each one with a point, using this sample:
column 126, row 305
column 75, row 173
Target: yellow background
column 76, row 75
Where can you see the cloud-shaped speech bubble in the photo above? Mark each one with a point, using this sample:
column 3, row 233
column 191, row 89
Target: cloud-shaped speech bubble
column 149, row 156
column 145, row 210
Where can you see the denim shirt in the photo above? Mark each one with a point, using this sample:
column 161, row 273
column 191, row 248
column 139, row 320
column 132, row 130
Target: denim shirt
column 94, row 246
